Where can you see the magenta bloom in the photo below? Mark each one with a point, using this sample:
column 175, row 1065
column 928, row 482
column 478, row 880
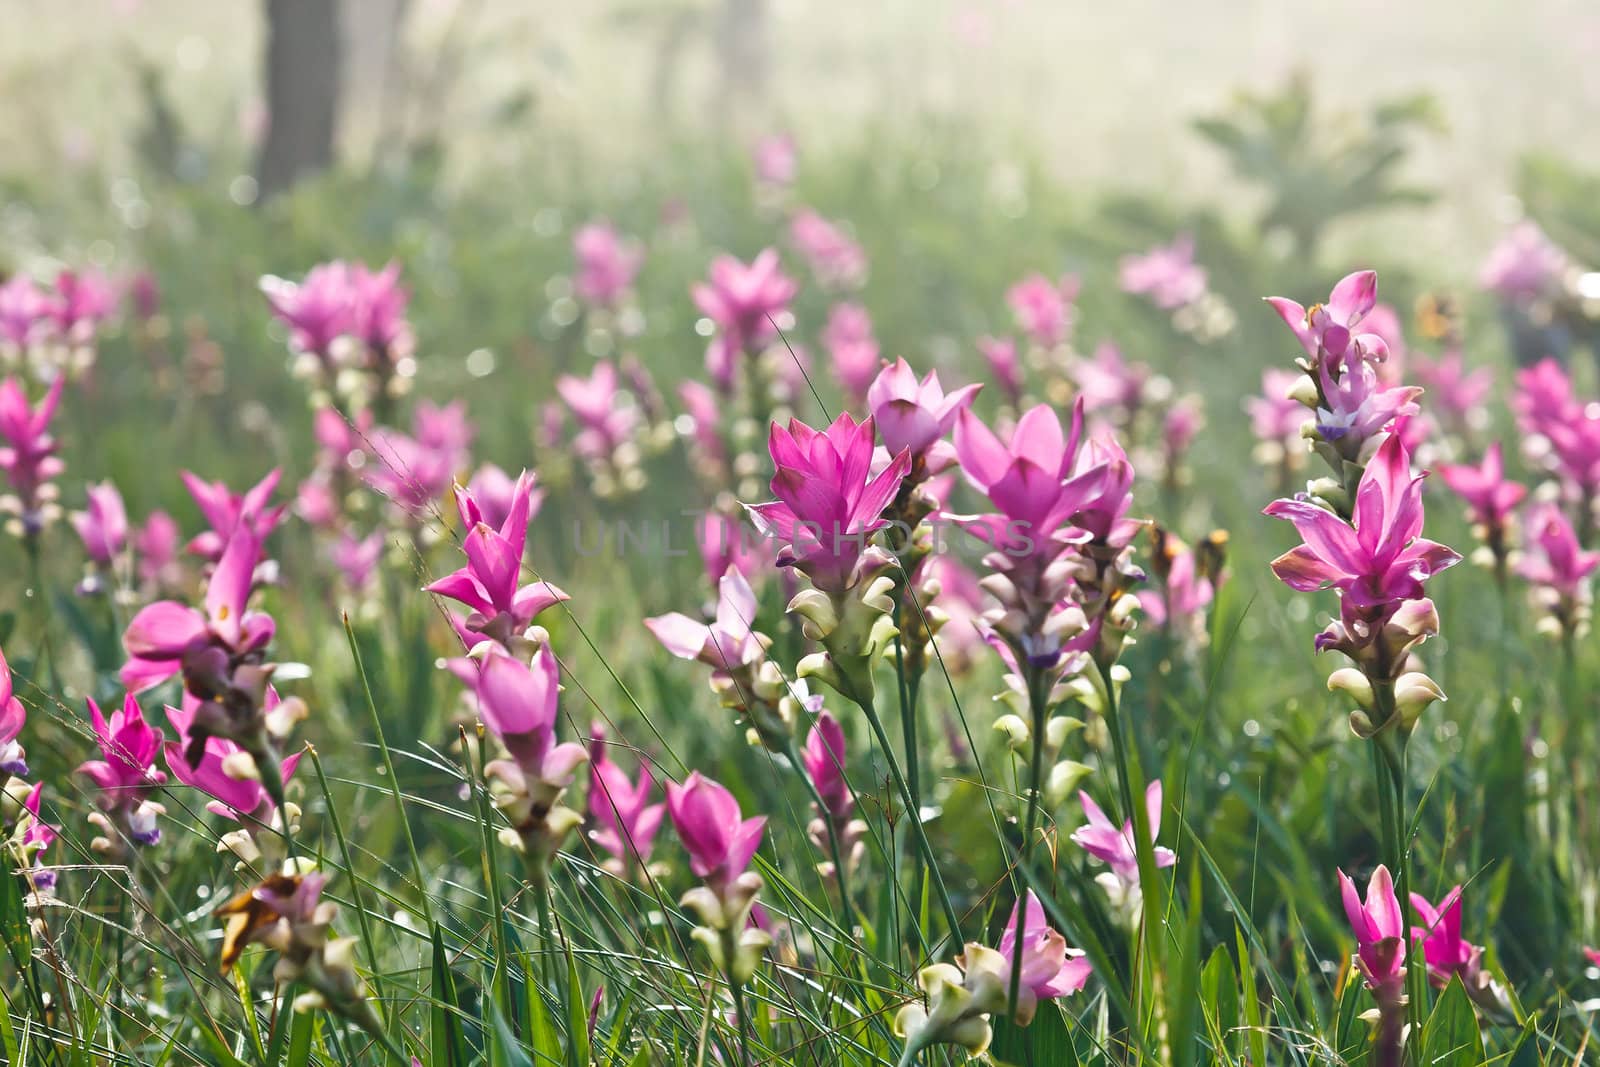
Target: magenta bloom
column 626, row 822
column 317, row 310
column 1447, row 953
column 1544, row 397
column 1029, row 478
column 835, row 259
column 824, row 760
column 1554, row 558
column 1049, row 968
column 1274, row 415
column 1487, row 493
column 23, row 312
column 126, row 772
column 1453, row 390
column 357, row 558
column 852, row 350
column 518, row 702
column 727, row 543
column 378, row 308
column 605, row 424
column 1184, row 594
column 1524, row 265
column 741, row 299
column 167, row 637
column 410, row 472
column 232, row 797
column 83, row 300
column 1043, row 308
column 103, row 528
column 776, row 159
column 13, row 717
column 1357, row 406
column 607, row 264
column 728, row 643
column 495, row 492
column 704, row 410
column 1167, row 274
column 1379, row 928
column 1108, row 381
column 719, row 839
column 1575, row 443
column 156, row 546
column 1114, row 847
column 1376, row 560
column 1000, row 353
column 223, row 509
column 490, row 582
column 1330, row 328
column 827, row 502
column 912, row 416
column 28, row 454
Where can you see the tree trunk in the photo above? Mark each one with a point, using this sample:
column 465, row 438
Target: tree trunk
column 303, row 72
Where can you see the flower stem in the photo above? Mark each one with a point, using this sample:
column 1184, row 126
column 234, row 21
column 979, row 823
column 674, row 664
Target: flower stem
column 742, row 1013
column 1038, row 698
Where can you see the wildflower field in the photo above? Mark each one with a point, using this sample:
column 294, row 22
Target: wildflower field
column 865, row 604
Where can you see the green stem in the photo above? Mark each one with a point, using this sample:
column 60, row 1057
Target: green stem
column 908, row 729
column 1038, row 698
column 741, row 1012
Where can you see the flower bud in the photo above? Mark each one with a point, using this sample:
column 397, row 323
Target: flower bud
column 1413, row 692
column 1354, row 682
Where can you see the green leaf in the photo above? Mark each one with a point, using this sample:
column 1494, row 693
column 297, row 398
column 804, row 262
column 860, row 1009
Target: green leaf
column 1450, row 1036
column 448, row 1037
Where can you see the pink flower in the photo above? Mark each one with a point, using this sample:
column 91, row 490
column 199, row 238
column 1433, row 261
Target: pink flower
column 83, row 300
column 1383, row 322
column 1185, row 592
column 775, row 159
column 852, row 351
column 727, row 543
column 28, row 455
column 167, row 637
column 1106, row 472
column 607, row 264
column 103, row 528
column 1379, row 928
column 377, row 309
column 518, row 703
column 741, row 300
column 1357, row 406
column 156, row 545
column 913, row 416
column 126, row 774
column 1446, row 952
column 728, row 643
column 1453, row 391
column 223, row 509
column 1554, row 559
column 720, row 841
column 1167, row 274
column 145, row 292
column 1575, row 445
column 495, row 493
column 1275, row 416
column 1544, row 397
column 13, row 717
column 626, row 820
column 489, row 583
column 1485, row 489
column 1330, row 327
column 1049, row 968
column 1043, row 308
column 357, row 558
column 1109, row 381
column 1030, row 477
column 410, row 472
column 835, row 259
column 605, row 423
column 444, row 427
column 704, row 410
column 317, row 310
column 1115, row 848
column 1181, row 424
column 1376, row 560
column 824, row 761
column 1524, row 265
column 1000, row 353
column 827, row 502
column 232, row 797
column 24, row 313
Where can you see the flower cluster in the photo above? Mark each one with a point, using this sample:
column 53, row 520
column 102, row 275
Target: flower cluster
column 348, row 330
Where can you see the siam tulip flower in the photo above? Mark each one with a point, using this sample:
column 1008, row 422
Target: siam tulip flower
column 145, row 293
column 1329, row 329
column 223, row 509
column 1043, row 308
column 224, row 771
column 959, row 1002
column 607, row 264
column 1356, row 407
column 377, row 310
column 1103, row 513
column 444, row 427
column 626, row 822
column 827, row 503
column 726, row 543
column 410, row 472
column 489, row 583
column 357, row 558
column 1166, row 274
column 852, row 351
column 728, row 644
column 1383, row 322
column 776, row 159
column 155, row 544
column 317, row 310
column 1380, row 933
column 606, row 419
column 1000, row 353
column 1030, row 477
column 340, row 437
column 1544, row 397
column 13, row 717
column 82, row 301
column 1489, row 497
column 1109, row 382
column 1447, row 953
column 1276, row 416
column 914, row 416
column 741, row 300
column 126, row 777
column 28, row 454
column 103, row 528
column 704, row 412
column 495, row 493
column 30, row 837
column 1575, row 452
column 1115, row 847
column 1559, row 569
column 823, row 759
column 1524, row 266
column 23, row 313
column 719, row 839
column 836, row 260
column 1456, row 393
column 959, row 598
column 1185, row 591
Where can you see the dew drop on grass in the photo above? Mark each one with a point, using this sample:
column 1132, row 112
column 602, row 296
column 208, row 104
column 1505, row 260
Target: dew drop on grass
column 1251, row 728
